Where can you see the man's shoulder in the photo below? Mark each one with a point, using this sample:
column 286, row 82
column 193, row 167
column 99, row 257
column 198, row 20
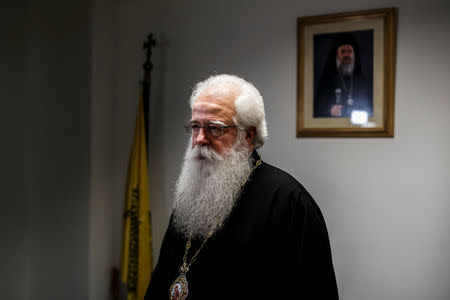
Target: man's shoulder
column 282, row 191
column 276, row 183
column 272, row 176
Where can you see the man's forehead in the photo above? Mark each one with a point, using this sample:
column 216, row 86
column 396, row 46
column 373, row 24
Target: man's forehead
column 346, row 46
column 221, row 93
column 217, row 100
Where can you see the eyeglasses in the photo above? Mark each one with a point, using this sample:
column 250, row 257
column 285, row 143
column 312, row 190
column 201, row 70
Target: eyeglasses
column 210, row 129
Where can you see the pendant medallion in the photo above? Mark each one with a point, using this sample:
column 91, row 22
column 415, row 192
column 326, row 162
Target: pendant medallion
column 179, row 288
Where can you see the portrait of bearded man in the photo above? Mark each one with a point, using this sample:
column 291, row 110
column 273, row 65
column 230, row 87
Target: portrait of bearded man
column 342, row 86
column 237, row 221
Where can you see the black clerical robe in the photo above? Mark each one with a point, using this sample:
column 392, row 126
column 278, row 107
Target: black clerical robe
column 274, row 245
column 326, row 95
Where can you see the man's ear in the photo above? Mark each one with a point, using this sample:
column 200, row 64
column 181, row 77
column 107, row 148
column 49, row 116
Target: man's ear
column 250, row 134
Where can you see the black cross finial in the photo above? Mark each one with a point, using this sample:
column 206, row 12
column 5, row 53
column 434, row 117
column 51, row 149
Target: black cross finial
column 148, row 46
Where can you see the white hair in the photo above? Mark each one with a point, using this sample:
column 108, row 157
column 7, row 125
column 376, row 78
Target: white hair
column 249, row 104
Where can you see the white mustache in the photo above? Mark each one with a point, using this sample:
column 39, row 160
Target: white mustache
column 204, row 153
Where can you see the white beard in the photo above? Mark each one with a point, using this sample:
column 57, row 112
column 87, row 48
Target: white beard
column 345, row 68
column 208, row 187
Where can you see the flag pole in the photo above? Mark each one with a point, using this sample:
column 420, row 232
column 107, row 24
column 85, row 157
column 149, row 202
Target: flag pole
column 137, row 257
column 148, row 66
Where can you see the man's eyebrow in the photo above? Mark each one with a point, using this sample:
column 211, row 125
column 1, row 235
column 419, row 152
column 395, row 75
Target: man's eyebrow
column 217, row 123
column 213, row 122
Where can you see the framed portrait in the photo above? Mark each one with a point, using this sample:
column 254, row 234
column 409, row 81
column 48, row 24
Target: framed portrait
column 346, row 74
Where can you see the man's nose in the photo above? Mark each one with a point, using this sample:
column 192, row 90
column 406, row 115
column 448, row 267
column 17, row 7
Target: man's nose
column 201, row 138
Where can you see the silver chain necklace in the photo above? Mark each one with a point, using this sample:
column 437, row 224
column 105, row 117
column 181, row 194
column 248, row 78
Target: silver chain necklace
column 349, row 90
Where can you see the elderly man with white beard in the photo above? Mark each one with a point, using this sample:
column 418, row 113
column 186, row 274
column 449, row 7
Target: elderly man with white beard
column 240, row 228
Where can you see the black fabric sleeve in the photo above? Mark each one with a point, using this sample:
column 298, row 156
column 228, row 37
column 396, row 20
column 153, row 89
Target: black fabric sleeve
column 166, row 268
column 314, row 264
column 154, row 290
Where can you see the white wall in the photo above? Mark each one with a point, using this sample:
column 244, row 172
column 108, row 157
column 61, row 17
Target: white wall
column 386, row 201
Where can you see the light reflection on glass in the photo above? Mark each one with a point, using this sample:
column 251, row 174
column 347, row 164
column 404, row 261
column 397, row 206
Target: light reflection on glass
column 359, row 117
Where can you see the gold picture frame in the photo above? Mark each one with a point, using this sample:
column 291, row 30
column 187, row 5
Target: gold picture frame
column 346, row 94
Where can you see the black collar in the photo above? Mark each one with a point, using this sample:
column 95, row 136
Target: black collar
column 255, row 156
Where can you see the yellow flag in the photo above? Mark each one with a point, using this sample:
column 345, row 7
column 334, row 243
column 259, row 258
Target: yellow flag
column 136, row 266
